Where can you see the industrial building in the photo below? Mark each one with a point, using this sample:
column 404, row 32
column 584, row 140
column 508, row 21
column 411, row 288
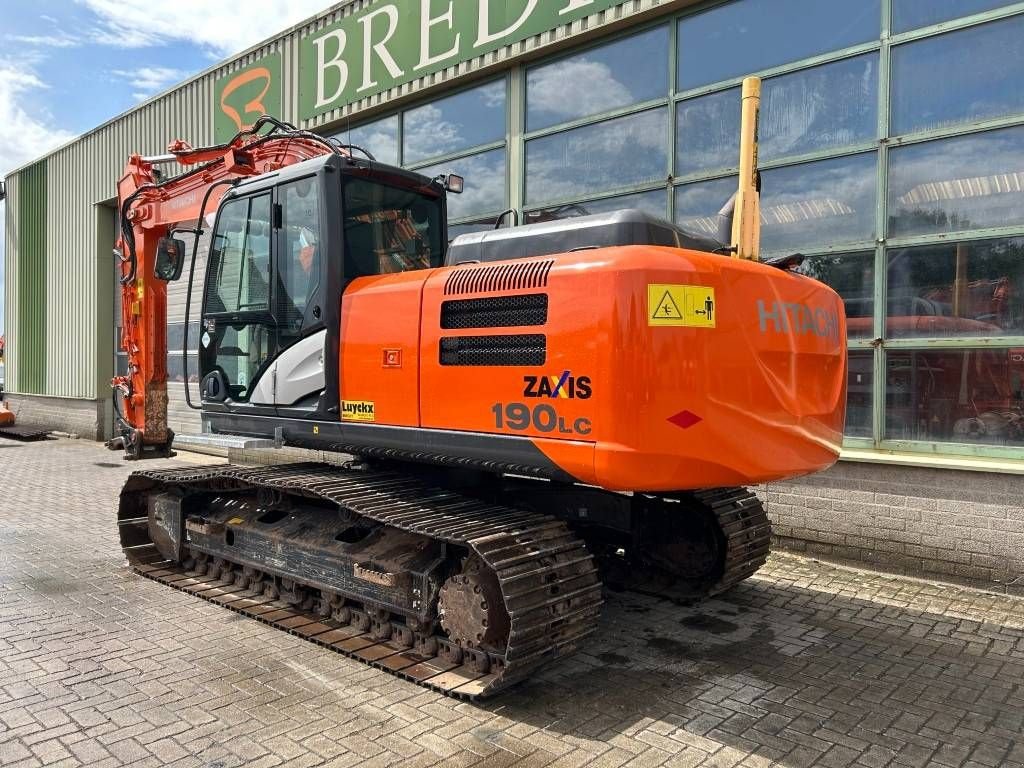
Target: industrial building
column 892, row 156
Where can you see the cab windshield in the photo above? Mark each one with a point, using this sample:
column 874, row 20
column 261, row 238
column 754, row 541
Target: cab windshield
column 390, row 228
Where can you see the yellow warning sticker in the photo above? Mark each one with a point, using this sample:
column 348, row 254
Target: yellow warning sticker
column 235, row 521
column 357, row 410
column 690, row 305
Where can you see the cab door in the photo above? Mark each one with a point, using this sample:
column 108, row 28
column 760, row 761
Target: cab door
column 239, row 336
column 301, row 278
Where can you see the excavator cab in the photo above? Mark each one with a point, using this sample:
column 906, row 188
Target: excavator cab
column 283, row 248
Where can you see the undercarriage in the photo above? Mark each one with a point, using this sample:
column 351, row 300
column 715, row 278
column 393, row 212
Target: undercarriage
column 464, row 585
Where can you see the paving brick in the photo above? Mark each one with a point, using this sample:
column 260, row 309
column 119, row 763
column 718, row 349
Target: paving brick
column 806, row 664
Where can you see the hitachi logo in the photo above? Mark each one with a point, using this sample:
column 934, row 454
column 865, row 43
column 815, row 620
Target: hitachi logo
column 783, row 317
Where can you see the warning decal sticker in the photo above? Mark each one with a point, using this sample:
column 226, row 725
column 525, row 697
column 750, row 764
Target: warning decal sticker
column 689, row 305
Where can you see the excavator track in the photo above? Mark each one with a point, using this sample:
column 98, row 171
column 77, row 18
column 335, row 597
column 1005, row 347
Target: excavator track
column 547, row 578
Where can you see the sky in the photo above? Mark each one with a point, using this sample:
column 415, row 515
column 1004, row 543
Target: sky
column 67, row 66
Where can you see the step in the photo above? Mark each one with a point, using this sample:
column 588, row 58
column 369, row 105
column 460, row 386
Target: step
column 223, row 442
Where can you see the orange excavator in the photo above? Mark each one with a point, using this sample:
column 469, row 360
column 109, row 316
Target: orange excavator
column 529, row 413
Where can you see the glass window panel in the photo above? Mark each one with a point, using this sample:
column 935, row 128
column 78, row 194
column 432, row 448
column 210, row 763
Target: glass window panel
column 820, row 204
column 625, row 72
column 910, row 14
column 967, row 182
column 959, row 77
column 240, row 257
column 833, row 105
column 698, row 204
column 852, row 276
column 380, row 138
column 961, row 396
column 653, row 202
column 708, row 129
column 830, row 106
column 860, row 390
column 176, row 368
column 486, row 190
column 957, row 289
column 454, row 123
column 750, row 35
column 589, row 160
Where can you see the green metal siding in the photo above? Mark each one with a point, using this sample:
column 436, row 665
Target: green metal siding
column 30, row 344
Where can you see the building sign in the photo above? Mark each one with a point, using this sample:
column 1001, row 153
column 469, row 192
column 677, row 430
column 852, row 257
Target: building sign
column 395, row 41
column 245, row 94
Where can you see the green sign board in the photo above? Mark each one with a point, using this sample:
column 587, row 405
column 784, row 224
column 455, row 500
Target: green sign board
column 396, row 41
column 245, row 94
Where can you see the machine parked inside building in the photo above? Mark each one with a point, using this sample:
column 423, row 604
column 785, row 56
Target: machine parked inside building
column 531, row 410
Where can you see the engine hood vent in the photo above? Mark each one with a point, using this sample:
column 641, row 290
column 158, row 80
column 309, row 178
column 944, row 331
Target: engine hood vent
column 519, row 276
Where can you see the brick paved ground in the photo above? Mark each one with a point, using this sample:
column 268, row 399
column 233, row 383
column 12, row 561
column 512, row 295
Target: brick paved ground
column 805, row 665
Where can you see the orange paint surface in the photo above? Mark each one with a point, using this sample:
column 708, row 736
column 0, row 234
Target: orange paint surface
column 628, row 404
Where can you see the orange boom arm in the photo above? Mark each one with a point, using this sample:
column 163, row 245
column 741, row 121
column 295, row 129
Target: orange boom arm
column 149, row 211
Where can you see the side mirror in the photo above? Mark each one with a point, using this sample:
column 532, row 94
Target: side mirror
column 170, row 259
column 3, row 191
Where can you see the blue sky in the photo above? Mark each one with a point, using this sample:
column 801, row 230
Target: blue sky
column 68, row 65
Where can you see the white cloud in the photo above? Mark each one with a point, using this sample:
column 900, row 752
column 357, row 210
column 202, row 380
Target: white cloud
column 23, row 136
column 224, row 28
column 574, row 88
column 56, row 40
column 150, row 80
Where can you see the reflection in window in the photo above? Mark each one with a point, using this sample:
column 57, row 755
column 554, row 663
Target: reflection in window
column 652, row 202
column 709, row 132
column 380, row 138
column 860, row 390
column 618, row 74
column 852, row 276
column 911, row 14
column 814, row 205
column 698, row 204
column 961, row 396
column 454, row 123
column 957, row 289
column 759, row 34
column 176, row 368
column 240, row 257
column 968, row 182
column 298, row 267
column 486, row 188
column 959, row 77
column 595, row 158
column 829, row 106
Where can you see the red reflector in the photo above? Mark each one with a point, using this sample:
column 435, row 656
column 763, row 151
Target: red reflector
column 685, row 419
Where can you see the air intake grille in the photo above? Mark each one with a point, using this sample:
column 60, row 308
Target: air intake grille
column 496, row 312
column 522, row 349
column 517, row 276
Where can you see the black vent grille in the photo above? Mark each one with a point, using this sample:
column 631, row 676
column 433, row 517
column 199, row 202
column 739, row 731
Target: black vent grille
column 520, row 349
column 497, row 312
column 521, row 275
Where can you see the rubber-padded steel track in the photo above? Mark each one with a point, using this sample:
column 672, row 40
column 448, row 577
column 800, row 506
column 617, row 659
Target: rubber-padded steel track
column 548, row 579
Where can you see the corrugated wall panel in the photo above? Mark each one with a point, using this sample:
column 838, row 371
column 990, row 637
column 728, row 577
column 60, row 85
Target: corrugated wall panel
column 11, row 295
column 30, row 346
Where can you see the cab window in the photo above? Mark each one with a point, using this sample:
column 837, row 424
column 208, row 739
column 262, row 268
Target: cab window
column 390, row 228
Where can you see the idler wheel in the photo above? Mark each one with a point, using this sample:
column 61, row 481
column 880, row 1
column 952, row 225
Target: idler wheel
column 471, row 608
